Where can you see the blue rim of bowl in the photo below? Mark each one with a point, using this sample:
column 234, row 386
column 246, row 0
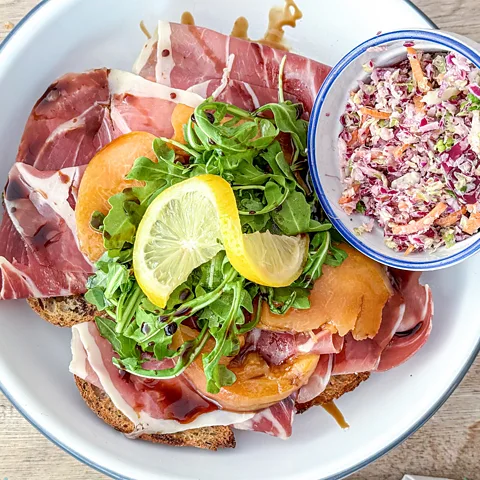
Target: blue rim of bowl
column 436, row 37
column 338, row 476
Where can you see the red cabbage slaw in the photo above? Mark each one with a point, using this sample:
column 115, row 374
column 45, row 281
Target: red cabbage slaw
column 410, row 151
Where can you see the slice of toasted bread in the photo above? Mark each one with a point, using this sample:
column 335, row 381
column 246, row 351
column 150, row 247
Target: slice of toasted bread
column 210, row 438
column 338, row 385
column 64, row 311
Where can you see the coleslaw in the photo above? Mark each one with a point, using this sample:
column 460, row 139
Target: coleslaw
column 410, row 151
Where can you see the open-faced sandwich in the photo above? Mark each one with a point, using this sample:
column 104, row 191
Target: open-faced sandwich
column 167, row 216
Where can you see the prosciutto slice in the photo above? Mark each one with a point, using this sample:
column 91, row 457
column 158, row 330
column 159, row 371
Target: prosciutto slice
column 153, row 406
column 82, row 112
column 405, row 343
column 236, row 71
column 39, row 253
column 139, row 105
column 276, row 347
column 319, row 380
column 77, row 115
column 69, row 123
column 276, row 420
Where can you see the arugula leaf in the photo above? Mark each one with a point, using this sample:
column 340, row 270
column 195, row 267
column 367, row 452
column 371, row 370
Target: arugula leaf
column 293, row 217
column 248, row 174
column 336, row 256
column 120, row 224
column 96, row 222
column 96, row 297
column 226, row 344
column 254, row 223
column 283, row 294
column 273, row 197
column 125, row 347
column 286, row 117
column 316, row 226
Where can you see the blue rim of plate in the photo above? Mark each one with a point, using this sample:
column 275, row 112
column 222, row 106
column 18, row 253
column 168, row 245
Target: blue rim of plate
column 436, row 37
column 338, row 476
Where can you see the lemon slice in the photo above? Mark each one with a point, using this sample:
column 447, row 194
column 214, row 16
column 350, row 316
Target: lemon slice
column 189, row 223
column 271, row 260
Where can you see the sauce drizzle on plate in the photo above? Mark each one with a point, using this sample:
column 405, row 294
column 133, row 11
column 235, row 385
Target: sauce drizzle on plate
column 333, row 410
column 187, row 19
column 278, row 18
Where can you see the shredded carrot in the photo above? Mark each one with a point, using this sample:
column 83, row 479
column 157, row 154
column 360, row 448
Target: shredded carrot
column 451, row 219
column 422, row 224
column 354, row 138
column 419, row 105
column 399, row 151
column 375, row 113
column 472, row 224
column 347, row 198
column 417, row 71
column 409, row 250
column 343, row 200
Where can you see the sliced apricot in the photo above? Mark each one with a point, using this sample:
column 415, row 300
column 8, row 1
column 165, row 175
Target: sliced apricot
column 180, row 116
column 104, row 177
column 258, row 384
column 350, row 297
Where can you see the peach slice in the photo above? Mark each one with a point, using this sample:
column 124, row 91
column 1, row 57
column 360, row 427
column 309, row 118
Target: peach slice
column 104, row 177
column 350, row 297
column 258, row 384
column 180, row 116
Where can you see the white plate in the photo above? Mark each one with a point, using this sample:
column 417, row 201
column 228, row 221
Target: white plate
column 68, row 35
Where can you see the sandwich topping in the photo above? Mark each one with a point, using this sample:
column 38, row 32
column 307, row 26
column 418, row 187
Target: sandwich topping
column 177, row 202
column 209, row 240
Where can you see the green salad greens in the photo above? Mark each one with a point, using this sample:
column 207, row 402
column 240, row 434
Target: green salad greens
column 262, row 154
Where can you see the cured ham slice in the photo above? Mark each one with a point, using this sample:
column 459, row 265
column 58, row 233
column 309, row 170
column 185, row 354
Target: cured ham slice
column 419, row 298
column 139, row 105
column 69, row 123
column 77, row 115
column 277, row 347
column 236, row 71
column 154, row 406
column 320, row 342
column 318, row 381
column 276, row 420
column 405, row 343
column 39, row 253
column 82, row 112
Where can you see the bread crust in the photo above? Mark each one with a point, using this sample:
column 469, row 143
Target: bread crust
column 338, row 386
column 209, row 438
column 64, row 311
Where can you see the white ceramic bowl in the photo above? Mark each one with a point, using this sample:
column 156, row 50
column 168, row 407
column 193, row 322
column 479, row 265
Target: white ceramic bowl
column 73, row 35
column 325, row 128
